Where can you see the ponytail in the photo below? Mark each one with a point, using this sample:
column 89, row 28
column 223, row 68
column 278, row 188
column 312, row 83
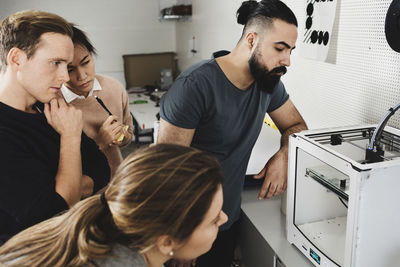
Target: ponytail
column 159, row 190
column 71, row 239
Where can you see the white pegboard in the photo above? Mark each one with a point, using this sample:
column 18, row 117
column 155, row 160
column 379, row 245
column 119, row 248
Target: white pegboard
column 359, row 81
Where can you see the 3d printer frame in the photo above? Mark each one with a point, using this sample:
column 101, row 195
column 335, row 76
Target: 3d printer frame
column 342, row 208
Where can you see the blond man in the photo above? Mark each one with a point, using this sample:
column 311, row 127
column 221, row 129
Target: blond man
column 47, row 164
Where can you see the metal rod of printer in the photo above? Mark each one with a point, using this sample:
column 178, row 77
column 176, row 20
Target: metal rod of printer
column 376, row 137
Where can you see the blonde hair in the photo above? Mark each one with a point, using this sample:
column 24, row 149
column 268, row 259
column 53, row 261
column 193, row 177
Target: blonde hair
column 24, row 29
column 159, row 190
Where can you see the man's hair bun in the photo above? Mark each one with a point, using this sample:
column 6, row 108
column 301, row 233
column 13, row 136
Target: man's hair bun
column 245, row 10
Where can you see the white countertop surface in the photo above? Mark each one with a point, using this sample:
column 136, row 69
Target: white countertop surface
column 266, row 215
column 144, row 113
column 268, row 219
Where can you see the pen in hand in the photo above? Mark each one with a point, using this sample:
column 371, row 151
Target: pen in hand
column 102, row 104
column 122, row 135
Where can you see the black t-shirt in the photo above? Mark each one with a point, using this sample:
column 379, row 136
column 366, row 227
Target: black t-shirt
column 227, row 121
column 29, row 157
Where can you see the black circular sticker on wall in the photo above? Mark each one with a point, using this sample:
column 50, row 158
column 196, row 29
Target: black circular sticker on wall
column 315, row 36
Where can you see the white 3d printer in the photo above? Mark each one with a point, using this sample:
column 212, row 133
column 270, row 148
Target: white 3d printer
column 343, row 197
column 343, row 209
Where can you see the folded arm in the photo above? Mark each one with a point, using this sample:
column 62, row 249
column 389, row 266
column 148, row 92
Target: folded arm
column 289, row 121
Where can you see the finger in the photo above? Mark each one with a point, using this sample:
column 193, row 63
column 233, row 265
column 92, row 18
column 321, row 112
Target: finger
column 261, row 174
column 119, row 139
column 279, row 190
column 53, row 103
column 121, row 135
column 272, row 191
column 115, row 119
column 115, row 143
column 115, row 127
column 116, row 132
column 47, row 112
column 264, row 189
column 111, row 119
column 125, row 129
column 61, row 102
column 114, row 139
column 284, row 186
column 109, row 127
column 53, row 106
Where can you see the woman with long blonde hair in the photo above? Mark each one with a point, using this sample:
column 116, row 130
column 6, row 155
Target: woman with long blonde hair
column 164, row 202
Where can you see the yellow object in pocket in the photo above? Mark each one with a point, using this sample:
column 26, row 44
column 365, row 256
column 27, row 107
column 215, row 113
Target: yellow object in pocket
column 121, row 137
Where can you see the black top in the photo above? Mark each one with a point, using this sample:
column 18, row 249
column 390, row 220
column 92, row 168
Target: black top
column 227, row 121
column 29, row 156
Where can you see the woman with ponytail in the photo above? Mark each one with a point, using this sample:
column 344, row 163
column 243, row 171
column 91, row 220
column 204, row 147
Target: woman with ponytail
column 165, row 201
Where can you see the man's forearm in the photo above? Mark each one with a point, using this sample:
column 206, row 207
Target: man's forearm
column 68, row 179
column 291, row 130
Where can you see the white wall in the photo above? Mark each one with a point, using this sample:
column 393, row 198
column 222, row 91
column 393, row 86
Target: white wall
column 115, row 27
column 359, row 84
column 214, row 27
column 360, row 81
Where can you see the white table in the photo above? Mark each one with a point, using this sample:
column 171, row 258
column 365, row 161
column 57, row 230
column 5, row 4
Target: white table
column 144, row 113
column 262, row 238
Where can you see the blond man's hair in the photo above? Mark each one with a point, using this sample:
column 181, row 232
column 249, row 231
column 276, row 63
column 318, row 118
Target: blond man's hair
column 24, row 29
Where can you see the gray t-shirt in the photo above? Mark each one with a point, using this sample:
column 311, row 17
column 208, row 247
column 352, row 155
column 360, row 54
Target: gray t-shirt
column 227, row 121
column 122, row 256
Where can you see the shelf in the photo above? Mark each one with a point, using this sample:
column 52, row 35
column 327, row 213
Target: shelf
column 176, row 12
column 175, row 17
column 167, row 17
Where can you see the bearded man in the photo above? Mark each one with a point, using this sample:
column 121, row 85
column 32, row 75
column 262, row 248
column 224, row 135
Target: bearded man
column 218, row 105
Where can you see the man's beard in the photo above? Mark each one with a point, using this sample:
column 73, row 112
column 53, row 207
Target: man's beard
column 266, row 80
